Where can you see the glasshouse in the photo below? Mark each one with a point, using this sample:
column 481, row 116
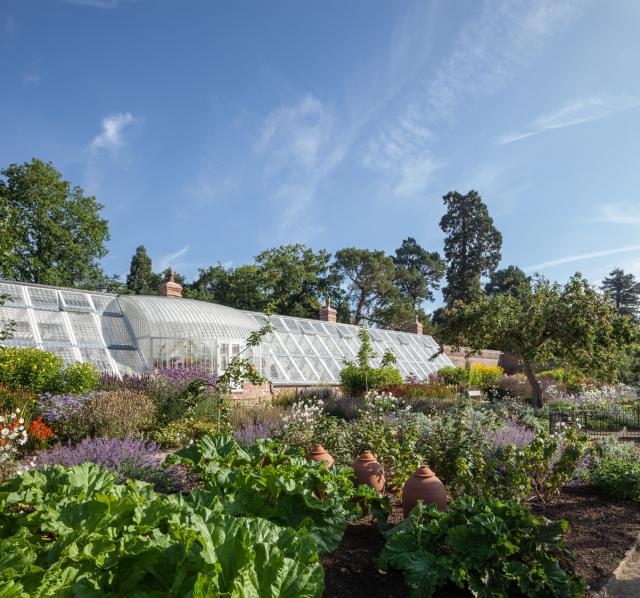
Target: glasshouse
column 131, row 334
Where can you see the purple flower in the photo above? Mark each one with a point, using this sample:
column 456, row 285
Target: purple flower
column 181, row 376
column 127, row 457
column 135, row 382
column 510, row 433
column 251, row 433
column 57, row 408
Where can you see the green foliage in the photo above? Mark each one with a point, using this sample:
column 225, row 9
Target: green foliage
column 40, row 371
column 369, row 276
column 573, row 381
column 56, row 235
column 357, row 378
column 115, row 414
column 471, row 245
column 80, row 378
column 418, row 271
column 76, row 531
column 545, row 321
column 491, row 547
column 623, row 291
column 459, row 447
column 507, row 280
column 616, row 470
column 35, row 370
column 141, row 279
column 293, row 279
column 270, row 481
column 475, row 376
column 181, row 432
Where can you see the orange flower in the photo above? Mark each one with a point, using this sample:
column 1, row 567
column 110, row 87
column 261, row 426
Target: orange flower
column 39, row 430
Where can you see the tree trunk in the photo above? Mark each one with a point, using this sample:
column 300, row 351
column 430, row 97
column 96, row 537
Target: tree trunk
column 535, row 384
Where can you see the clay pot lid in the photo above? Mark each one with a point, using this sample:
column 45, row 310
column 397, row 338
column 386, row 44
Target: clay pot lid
column 317, row 449
column 366, row 456
column 424, row 472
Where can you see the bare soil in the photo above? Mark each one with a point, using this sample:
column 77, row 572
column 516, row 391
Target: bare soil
column 601, row 531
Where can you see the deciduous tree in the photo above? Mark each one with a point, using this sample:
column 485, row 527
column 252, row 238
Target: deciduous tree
column 573, row 324
column 52, row 233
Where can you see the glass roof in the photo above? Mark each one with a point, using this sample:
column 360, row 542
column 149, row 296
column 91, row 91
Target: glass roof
column 132, row 333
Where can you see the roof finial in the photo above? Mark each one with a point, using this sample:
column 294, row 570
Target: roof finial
column 170, row 275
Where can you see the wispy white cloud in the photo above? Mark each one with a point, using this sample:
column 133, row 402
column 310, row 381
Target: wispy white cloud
column 616, row 213
column 295, row 133
column 171, row 259
column 415, row 174
column 300, row 147
column 98, row 3
column 581, row 257
column 111, row 136
column 573, row 113
column 497, row 40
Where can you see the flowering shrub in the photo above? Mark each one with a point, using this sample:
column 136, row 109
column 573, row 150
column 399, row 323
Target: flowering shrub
column 382, row 403
column 136, row 382
column 126, row 457
column 615, row 469
column 177, row 392
column 80, row 378
column 63, row 413
column 298, row 427
column 510, row 432
column 40, row 371
column 13, row 434
column 35, row 370
column 39, row 432
column 117, row 414
column 16, row 398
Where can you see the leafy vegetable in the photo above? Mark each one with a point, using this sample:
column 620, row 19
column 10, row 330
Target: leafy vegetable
column 492, row 547
column 274, row 482
column 78, row 532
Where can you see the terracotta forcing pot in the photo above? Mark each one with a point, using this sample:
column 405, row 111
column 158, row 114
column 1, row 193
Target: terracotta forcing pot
column 368, row 471
column 423, row 485
column 317, row 453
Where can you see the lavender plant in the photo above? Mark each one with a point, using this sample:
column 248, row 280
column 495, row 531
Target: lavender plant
column 127, row 457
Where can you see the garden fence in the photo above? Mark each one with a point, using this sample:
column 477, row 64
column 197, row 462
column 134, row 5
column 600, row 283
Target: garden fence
column 600, row 421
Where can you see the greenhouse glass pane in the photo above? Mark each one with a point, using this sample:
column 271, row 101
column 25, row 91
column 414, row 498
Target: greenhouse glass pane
column 76, row 301
column 21, row 324
column 85, row 329
column 43, row 298
column 51, row 326
column 13, row 294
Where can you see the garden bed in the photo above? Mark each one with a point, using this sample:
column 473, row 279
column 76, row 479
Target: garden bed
column 601, row 531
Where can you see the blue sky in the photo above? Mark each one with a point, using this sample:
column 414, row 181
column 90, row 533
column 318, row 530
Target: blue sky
column 211, row 131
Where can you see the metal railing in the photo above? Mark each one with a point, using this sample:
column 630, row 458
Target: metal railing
column 600, row 421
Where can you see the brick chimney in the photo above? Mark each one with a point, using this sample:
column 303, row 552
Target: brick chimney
column 416, row 327
column 327, row 313
column 170, row 288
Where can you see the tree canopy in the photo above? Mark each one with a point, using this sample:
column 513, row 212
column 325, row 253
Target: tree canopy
column 506, row 280
column 141, row 279
column 370, row 276
column 545, row 321
column 471, row 246
column 52, row 232
column 623, row 291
